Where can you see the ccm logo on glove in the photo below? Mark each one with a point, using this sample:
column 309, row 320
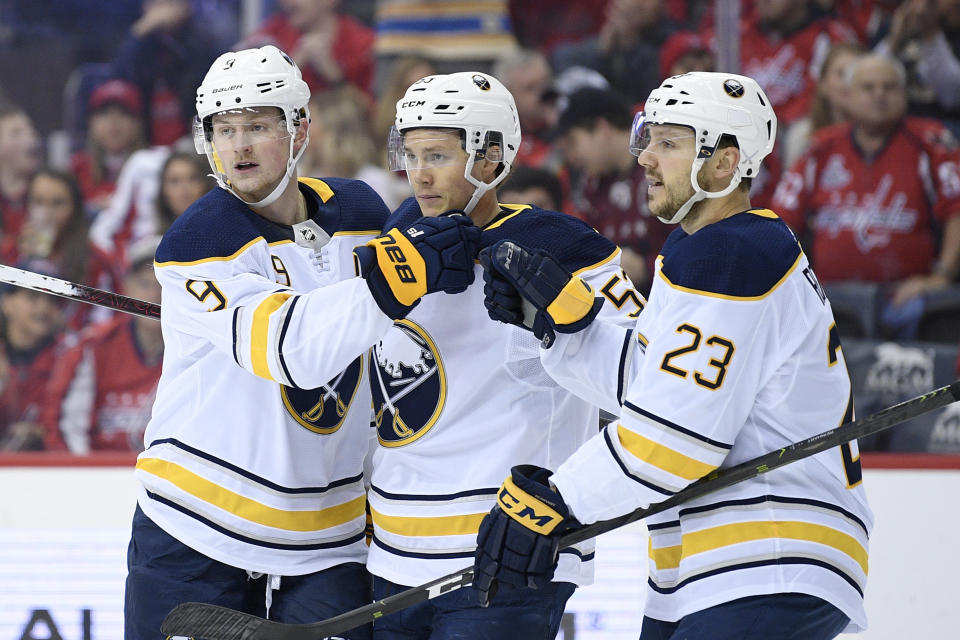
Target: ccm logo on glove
column 534, row 514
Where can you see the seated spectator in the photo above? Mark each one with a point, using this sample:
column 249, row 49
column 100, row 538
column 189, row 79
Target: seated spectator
column 329, row 47
column 529, row 185
column 878, row 198
column 627, row 49
column 527, row 75
column 132, row 213
column 830, row 102
column 782, row 46
column 685, row 51
column 57, row 231
column 30, row 343
column 925, row 36
column 20, row 157
column 611, row 194
column 166, row 54
column 101, row 390
column 341, row 146
column 183, row 179
column 115, row 129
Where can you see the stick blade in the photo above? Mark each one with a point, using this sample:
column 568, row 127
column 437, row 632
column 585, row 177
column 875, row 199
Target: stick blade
column 210, row 622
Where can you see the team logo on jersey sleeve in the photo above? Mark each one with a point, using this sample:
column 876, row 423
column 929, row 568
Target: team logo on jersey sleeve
column 323, row 410
column 408, row 383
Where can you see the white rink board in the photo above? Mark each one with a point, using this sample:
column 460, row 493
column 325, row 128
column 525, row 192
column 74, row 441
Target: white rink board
column 63, row 537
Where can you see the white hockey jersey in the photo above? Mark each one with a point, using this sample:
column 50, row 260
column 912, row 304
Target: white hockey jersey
column 459, row 399
column 254, row 453
column 742, row 356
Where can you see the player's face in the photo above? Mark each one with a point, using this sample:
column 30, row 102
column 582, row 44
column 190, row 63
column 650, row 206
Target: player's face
column 666, row 158
column 435, row 163
column 253, row 146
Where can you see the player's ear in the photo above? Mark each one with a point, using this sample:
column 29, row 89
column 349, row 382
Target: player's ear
column 301, row 134
column 727, row 160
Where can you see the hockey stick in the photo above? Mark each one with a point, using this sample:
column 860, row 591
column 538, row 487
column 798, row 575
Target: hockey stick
column 73, row 291
column 212, row 622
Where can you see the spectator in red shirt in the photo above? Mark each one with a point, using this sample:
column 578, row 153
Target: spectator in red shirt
column 115, row 129
column 19, row 159
column 57, row 230
column 328, row 46
column 611, row 193
column 879, row 197
column 101, row 390
column 686, row 51
column 30, row 324
column 782, row 45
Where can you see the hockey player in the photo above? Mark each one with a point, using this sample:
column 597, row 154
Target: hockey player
column 736, row 354
column 252, row 490
column 458, row 399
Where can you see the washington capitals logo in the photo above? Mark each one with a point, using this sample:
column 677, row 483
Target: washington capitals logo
column 733, row 88
column 481, row 82
column 408, row 384
column 323, row 410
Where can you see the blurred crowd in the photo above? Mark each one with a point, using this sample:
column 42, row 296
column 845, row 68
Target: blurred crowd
column 97, row 157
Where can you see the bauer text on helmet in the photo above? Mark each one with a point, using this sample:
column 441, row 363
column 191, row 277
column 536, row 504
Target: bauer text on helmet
column 710, row 105
column 247, row 82
column 476, row 105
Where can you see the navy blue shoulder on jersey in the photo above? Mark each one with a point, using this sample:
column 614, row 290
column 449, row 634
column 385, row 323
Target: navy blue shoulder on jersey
column 360, row 208
column 742, row 256
column 570, row 240
column 215, row 226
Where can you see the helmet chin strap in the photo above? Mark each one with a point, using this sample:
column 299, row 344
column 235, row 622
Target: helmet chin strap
column 481, row 187
column 699, row 194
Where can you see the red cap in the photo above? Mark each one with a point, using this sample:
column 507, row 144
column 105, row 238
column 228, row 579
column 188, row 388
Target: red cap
column 679, row 45
column 118, row 92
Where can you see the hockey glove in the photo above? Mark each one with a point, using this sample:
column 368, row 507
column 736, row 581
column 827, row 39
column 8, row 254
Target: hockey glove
column 426, row 256
column 519, row 539
column 561, row 302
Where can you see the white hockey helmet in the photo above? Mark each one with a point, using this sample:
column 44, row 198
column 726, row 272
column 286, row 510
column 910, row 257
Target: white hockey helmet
column 238, row 80
column 476, row 104
column 712, row 104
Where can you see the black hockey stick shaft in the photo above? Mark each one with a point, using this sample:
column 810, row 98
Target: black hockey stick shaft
column 81, row 292
column 211, row 622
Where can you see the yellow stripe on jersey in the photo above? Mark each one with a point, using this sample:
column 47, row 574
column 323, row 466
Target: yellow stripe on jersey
column 232, row 256
column 321, row 188
column 517, row 209
column 248, row 508
column 573, row 302
column 260, row 331
column 736, row 533
column 428, row 526
column 598, row 264
column 724, row 296
column 764, row 213
column 661, row 456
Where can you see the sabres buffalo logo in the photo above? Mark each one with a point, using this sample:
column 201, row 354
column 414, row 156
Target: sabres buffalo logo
column 481, row 82
column 408, row 383
column 323, row 410
column 733, row 88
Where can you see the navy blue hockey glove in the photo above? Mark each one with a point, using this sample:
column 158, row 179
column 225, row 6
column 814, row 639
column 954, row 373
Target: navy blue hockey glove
column 559, row 301
column 519, row 539
column 425, row 256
